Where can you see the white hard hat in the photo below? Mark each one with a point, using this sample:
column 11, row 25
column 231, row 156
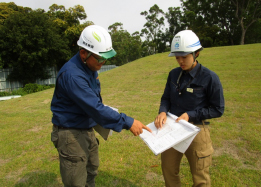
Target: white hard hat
column 185, row 42
column 97, row 40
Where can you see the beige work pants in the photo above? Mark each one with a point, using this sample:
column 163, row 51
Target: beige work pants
column 199, row 155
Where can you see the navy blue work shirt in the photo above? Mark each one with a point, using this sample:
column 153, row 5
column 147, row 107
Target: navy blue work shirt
column 77, row 102
column 200, row 94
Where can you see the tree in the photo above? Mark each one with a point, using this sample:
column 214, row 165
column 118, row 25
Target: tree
column 176, row 22
column 68, row 23
column 247, row 12
column 7, row 9
column 29, row 43
column 128, row 47
column 254, row 35
column 213, row 21
column 153, row 28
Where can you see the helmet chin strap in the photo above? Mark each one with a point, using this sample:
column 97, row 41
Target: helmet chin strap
column 194, row 59
column 89, row 54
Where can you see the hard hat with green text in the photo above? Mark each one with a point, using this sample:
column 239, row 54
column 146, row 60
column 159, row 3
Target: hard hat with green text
column 185, row 42
column 97, row 40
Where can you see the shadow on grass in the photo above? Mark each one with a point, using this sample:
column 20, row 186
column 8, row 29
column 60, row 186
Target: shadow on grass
column 40, row 179
column 105, row 179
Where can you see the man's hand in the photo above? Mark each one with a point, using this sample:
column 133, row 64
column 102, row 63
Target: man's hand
column 184, row 117
column 160, row 120
column 137, row 127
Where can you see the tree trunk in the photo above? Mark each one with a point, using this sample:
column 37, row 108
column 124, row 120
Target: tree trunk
column 242, row 41
column 243, row 32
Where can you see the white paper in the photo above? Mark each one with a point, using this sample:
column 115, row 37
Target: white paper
column 105, row 133
column 177, row 135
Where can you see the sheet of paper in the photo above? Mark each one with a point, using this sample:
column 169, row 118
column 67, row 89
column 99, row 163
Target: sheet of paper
column 171, row 134
column 105, row 133
column 183, row 146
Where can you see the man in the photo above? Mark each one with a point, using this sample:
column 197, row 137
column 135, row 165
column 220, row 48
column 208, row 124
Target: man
column 77, row 107
column 194, row 93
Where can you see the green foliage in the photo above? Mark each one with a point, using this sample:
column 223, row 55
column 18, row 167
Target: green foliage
column 28, row 89
column 128, row 47
column 33, row 40
column 247, row 12
column 30, row 44
column 254, row 35
column 67, row 22
column 153, row 29
column 176, row 22
column 7, row 9
column 31, row 88
column 230, row 19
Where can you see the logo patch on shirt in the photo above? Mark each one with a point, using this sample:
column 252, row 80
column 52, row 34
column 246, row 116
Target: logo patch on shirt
column 190, row 90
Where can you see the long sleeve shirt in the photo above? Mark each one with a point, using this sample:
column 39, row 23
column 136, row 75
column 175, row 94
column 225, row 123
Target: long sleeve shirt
column 77, row 102
column 199, row 93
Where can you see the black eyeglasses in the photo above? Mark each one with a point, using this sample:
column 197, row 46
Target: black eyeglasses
column 99, row 60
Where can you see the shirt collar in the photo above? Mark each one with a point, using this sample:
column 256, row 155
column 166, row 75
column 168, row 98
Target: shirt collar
column 85, row 67
column 194, row 71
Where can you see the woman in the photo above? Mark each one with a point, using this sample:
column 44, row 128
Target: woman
column 194, row 93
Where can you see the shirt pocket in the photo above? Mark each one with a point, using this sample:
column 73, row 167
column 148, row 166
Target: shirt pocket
column 195, row 95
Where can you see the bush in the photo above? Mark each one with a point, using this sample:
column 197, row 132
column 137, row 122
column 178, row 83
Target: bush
column 31, row 88
column 4, row 94
column 20, row 91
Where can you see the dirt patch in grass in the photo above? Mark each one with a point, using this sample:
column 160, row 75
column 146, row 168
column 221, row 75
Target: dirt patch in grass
column 228, row 148
column 46, row 101
column 4, row 161
column 239, row 153
column 154, row 176
column 35, row 129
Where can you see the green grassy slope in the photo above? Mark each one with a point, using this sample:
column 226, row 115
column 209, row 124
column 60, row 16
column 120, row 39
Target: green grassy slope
column 28, row 158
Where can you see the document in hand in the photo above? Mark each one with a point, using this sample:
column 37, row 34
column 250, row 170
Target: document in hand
column 172, row 134
column 105, row 133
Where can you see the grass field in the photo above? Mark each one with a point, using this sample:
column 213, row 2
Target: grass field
column 28, row 158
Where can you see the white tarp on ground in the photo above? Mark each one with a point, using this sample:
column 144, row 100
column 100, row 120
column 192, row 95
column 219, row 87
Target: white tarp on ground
column 9, row 97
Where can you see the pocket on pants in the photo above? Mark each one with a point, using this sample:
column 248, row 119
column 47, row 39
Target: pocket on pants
column 204, row 158
column 54, row 136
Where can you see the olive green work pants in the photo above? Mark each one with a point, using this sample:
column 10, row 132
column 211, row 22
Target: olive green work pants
column 78, row 155
column 199, row 156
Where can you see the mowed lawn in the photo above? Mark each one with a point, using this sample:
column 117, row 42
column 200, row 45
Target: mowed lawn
column 28, row 158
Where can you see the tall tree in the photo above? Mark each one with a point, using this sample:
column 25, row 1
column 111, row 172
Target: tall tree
column 7, row 9
column 128, row 47
column 153, row 28
column 68, row 23
column 176, row 22
column 210, row 19
column 29, row 43
column 247, row 12
column 254, row 33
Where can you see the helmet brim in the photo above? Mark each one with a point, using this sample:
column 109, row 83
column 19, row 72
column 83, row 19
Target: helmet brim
column 182, row 53
column 179, row 53
column 108, row 54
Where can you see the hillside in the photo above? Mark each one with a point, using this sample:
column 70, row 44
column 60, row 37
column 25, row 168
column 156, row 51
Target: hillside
column 28, row 158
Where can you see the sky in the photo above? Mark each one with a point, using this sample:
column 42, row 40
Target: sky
column 107, row 12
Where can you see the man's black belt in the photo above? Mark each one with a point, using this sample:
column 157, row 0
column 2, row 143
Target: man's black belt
column 68, row 128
